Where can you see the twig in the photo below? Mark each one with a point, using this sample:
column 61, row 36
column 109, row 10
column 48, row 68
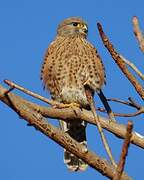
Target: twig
column 133, row 67
column 96, row 118
column 13, row 85
column 119, row 101
column 137, row 32
column 115, row 55
column 67, row 113
column 141, row 111
column 51, row 102
column 131, row 102
column 124, row 152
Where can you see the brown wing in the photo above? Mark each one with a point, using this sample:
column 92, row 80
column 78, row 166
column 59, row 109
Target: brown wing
column 94, row 72
column 48, row 68
column 53, row 68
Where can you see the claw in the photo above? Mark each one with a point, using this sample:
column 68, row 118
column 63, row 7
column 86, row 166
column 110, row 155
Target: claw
column 71, row 105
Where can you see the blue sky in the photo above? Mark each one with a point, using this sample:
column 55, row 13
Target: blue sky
column 26, row 29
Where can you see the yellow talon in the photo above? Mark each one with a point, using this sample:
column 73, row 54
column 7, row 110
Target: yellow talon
column 71, row 105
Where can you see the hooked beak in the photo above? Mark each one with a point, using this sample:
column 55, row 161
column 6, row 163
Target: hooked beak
column 82, row 29
column 85, row 29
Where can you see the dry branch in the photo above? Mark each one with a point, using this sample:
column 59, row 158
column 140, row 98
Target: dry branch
column 131, row 102
column 141, row 111
column 67, row 113
column 13, row 85
column 138, row 33
column 100, row 129
column 131, row 65
column 35, row 119
column 124, row 152
column 61, row 105
column 119, row 61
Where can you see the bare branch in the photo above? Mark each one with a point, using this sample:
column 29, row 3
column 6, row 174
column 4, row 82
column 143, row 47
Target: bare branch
column 96, row 118
column 124, row 152
column 137, row 32
column 116, row 56
column 61, row 105
column 131, row 102
column 133, row 67
column 141, row 111
column 40, row 123
column 51, row 102
column 67, row 113
column 130, row 114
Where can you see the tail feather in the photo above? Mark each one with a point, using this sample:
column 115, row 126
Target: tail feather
column 71, row 161
column 76, row 130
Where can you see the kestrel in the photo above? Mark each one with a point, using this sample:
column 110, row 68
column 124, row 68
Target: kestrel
column 72, row 65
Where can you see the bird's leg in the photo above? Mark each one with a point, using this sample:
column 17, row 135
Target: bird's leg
column 62, row 105
column 96, row 118
column 106, row 105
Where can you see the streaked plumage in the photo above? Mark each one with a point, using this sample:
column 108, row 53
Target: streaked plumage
column 70, row 63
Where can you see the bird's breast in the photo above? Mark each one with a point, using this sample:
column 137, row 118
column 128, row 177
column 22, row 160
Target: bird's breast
column 70, row 63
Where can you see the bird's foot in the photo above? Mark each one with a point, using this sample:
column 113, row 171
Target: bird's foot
column 71, row 105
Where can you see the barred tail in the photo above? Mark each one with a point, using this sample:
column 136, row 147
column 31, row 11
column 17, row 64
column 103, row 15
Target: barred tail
column 76, row 130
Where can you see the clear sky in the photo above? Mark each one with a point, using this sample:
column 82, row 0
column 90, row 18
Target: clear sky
column 26, row 29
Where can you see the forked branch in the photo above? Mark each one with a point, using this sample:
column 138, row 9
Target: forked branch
column 119, row 61
column 132, row 66
column 68, row 113
column 35, row 119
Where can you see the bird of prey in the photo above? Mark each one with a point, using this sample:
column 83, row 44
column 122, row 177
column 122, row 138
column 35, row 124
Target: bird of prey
column 71, row 66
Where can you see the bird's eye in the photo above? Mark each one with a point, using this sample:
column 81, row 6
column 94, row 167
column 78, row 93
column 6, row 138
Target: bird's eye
column 75, row 24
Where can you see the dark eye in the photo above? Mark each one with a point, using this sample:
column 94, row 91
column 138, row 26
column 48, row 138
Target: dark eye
column 75, row 24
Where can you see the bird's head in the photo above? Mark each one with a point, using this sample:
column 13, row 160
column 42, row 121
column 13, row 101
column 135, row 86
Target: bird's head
column 73, row 26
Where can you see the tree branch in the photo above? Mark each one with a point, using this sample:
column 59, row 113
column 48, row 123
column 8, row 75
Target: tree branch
column 131, row 65
column 67, row 113
column 107, row 109
column 124, row 152
column 100, row 129
column 141, row 111
column 35, row 119
column 131, row 102
column 137, row 32
column 50, row 102
column 119, row 61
